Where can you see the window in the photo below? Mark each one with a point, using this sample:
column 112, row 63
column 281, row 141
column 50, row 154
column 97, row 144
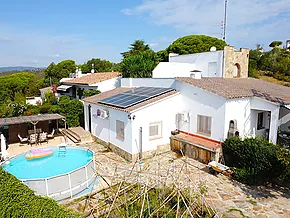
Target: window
column 260, row 124
column 204, row 124
column 120, row 130
column 155, row 130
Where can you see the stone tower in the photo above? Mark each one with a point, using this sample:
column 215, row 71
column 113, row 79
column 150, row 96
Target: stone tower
column 236, row 63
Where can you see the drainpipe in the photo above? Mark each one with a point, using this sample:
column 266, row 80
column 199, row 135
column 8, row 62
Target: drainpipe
column 140, row 143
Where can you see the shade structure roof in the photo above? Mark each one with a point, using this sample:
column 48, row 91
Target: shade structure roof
column 29, row 119
column 63, row 87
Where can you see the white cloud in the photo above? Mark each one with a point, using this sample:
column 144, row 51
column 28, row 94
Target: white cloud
column 249, row 21
column 126, row 11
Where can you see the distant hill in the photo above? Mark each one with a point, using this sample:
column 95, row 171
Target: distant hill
column 19, row 68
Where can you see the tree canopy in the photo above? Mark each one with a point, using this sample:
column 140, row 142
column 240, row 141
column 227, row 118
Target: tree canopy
column 275, row 62
column 99, row 65
column 275, row 44
column 18, row 84
column 139, row 65
column 58, row 71
column 136, row 47
column 195, row 44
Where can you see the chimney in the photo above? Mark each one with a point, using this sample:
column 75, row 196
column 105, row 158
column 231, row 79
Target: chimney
column 196, row 74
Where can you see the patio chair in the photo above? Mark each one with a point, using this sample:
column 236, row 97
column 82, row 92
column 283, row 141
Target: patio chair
column 32, row 139
column 51, row 136
column 43, row 137
column 22, row 140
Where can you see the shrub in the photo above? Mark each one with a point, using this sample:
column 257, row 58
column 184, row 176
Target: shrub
column 255, row 160
column 88, row 93
column 17, row 200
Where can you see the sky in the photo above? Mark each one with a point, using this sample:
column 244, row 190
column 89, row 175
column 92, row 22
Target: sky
column 36, row 33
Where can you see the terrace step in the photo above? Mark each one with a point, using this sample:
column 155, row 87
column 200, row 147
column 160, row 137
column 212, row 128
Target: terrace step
column 78, row 135
column 71, row 135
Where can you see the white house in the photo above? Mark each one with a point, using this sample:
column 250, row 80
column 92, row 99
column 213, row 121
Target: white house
column 139, row 127
column 209, row 64
column 103, row 82
column 212, row 109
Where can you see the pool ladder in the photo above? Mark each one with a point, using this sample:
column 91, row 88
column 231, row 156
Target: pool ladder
column 62, row 151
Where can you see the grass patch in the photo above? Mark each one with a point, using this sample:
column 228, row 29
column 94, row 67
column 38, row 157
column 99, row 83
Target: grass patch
column 253, row 202
column 239, row 211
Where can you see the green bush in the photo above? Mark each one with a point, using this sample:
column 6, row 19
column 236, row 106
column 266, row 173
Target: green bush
column 88, row 93
column 255, row 160
column 17, row 200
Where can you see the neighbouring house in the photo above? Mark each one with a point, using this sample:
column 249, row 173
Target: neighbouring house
column 206, row 111
column 225, row 63
column 34, row 100
column 74, row 87
column 43, row 91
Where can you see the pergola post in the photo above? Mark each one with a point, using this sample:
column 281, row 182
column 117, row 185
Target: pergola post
column 57, row 126
column 34, row 127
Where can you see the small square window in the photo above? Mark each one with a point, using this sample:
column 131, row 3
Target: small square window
column 155, row 130
column 120, row 130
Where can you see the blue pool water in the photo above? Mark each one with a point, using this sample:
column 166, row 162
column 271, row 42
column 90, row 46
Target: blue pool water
column 48, row 166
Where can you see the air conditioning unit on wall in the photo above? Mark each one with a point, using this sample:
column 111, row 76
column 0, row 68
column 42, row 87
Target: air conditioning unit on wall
column 104, row 114
column 184, row 117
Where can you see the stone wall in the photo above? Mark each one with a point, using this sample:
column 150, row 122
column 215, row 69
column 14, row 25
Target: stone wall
column 133, row 157
column 236, row 59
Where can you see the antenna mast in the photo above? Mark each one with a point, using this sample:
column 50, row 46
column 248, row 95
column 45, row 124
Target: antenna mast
column 225, row 20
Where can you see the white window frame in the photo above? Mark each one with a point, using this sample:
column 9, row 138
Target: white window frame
column 120, row 130
column 159, row 126
column 204, row 124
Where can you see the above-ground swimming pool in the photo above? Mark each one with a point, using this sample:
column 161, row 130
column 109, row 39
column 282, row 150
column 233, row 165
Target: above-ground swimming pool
column 60, row 176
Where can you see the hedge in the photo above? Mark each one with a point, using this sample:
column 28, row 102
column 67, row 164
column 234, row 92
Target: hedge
column 255, row 160
column 17, row 200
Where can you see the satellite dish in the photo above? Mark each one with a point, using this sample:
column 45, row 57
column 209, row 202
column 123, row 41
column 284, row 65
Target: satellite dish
column 213, row 49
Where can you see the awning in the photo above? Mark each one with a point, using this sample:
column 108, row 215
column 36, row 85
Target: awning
column 63, row 87
column 29, row 119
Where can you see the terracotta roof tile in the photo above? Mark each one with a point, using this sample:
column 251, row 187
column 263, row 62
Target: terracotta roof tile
column 96, row 98
column 94, row 78
column 242, row 87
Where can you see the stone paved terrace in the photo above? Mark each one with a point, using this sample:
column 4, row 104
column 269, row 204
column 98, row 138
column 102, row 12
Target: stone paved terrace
column 228, row 197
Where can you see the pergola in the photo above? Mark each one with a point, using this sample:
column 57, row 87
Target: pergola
column 31, row 119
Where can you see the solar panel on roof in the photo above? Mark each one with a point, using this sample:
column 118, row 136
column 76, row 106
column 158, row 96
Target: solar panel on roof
column 135, row 96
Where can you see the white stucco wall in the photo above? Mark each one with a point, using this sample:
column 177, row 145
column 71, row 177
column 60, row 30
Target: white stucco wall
column 164, row 111
column 201, row 61
column 150, row 82
column 108, row 85
column 239, row 110
column 199, row 102
column 105, row 129
column 173, row 69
